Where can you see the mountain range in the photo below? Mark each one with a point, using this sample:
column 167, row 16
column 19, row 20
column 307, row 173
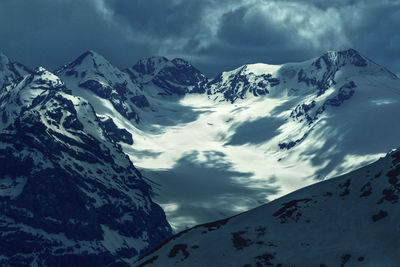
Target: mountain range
column 88, row 150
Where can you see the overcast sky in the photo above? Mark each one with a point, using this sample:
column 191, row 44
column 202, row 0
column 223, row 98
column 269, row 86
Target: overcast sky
column 214, row 35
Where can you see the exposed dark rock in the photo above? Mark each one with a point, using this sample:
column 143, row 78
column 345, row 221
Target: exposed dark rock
column 366, row 190
column 140, row 101
column 290, row 210
column 380, row 215
column 345, row 258
column 345, row 186
column 116, row 134
column 179, row 248
column 239, row 242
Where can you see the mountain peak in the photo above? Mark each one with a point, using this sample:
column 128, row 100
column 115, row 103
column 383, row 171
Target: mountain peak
column 179, row 62
column 347, row 52
column 92, row 55
column 88, row 59
column 150, row 65
column 90, row 65
column 173, row 76
column 3, row 59
column 11, row 72
column 343, row 57
column 40, row 70
column 45, row 79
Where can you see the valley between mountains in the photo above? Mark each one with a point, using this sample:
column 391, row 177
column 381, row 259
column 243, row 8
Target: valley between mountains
column 98, row 165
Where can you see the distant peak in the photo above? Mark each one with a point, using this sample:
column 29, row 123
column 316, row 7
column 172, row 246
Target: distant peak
column 12, row 69
column 181, row 62
column 153, row 60
column 150, row 65
column 351, row 51
column 344, row 53
column 91, row 53
column 343, row 57
column 4, row 59
column 89, row 57
column 260, row 68
column 42, row 77
column 40, row 70
column 3, row 55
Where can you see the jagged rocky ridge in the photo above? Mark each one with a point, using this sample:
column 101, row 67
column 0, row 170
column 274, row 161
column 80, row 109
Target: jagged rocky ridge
column 173, row 77
column 135, row 91
column 68, row 193
column 351, row 220
column 130, row 91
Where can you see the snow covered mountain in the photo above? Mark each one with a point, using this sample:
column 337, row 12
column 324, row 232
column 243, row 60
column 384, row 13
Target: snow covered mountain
column 216, row 147
column 351, row 220
column 212, row 148
column 262, row 131
column 92, row 72
column 312, row 76
column 69, row 195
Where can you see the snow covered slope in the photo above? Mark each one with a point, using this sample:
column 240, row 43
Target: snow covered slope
column 352, row 220
column 68, row 194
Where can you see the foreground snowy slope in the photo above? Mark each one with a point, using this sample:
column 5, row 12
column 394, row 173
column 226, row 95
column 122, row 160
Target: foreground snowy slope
column 352, row 220
column 68, row 194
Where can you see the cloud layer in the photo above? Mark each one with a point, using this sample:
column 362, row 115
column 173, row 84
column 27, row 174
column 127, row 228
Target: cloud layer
column 214, row 35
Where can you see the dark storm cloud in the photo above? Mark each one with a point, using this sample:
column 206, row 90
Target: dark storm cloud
column 214, row 35
column 53, row 32
column 376, row 33
column 163, row 19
